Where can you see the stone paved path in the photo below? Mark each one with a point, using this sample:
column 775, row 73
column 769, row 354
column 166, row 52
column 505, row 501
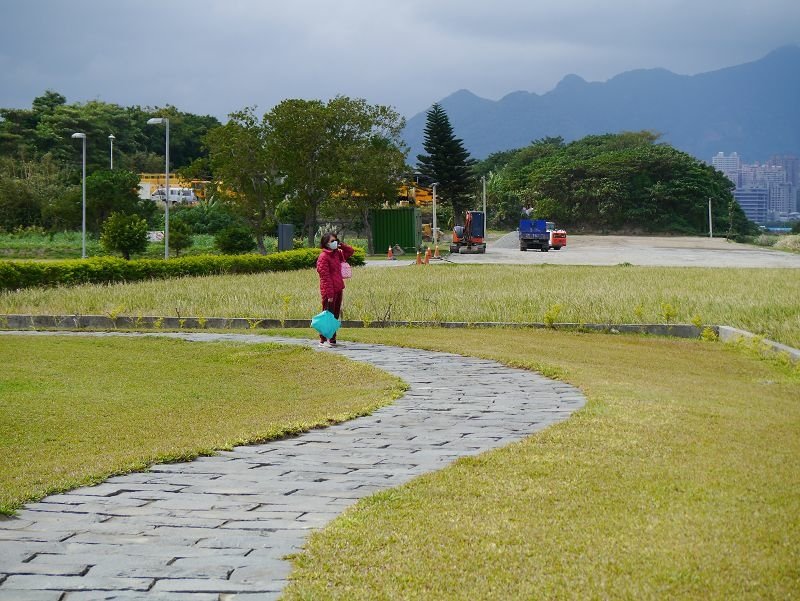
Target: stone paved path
column 218, row 527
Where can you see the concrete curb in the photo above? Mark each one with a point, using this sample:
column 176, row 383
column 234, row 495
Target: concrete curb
column 149, row 322
column 729, row 334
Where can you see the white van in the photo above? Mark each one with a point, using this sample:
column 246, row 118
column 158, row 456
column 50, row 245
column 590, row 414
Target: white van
column 176, row 196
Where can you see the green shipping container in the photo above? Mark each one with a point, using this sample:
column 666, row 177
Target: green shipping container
column 401, row 226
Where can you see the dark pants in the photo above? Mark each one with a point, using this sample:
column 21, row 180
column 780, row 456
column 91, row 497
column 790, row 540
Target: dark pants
column 335, row 307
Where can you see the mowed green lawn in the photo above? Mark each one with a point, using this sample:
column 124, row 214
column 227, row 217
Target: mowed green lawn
column 75, row 410
column 764, row 301
column 679, row 479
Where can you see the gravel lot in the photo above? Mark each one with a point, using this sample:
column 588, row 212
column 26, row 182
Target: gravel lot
column 679, row 251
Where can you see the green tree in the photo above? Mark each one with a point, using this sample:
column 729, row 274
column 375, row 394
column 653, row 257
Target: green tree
column 33, row 186
column 108, row 192
column 234, row 240
column 303, row 134
column 243, row 159
column 335, row 152
column 615, row 182
column 378, row 167
column 180, row 235
column 47, row 126
column 374, row 160
column 447, row 162
column 738, row 225
column 18, row 207
column 187, row 133
column 208, row 216
column 125, row 234
column 18, row 126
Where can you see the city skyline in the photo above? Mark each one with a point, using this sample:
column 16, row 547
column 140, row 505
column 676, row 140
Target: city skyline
column 768, row 191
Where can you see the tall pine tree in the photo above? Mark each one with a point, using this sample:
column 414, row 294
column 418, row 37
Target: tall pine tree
column 447, row 163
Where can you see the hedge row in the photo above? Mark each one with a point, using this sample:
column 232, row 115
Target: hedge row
column 15, row 275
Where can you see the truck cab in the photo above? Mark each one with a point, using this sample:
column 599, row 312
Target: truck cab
column 533, row 234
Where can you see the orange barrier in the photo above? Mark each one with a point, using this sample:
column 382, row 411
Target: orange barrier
column 419, row 258
column 390, row 255
column 427, row 258
column 436, row 253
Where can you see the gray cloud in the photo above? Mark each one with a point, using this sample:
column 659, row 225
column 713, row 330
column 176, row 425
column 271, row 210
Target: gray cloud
column 215, row 56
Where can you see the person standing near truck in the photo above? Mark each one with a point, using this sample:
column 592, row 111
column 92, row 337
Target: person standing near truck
column 331, row 282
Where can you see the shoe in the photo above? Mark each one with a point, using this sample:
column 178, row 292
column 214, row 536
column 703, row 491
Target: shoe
column 332, row 343
column 325, row 344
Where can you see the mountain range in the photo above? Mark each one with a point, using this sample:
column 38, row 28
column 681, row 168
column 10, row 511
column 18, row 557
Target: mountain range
column 752, row 109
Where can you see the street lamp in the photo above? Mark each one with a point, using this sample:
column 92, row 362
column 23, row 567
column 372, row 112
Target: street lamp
column 111, row 139
column 710, row 224
column 165, row 121
column 81, row 136
column 435, row 233
column 483, row 181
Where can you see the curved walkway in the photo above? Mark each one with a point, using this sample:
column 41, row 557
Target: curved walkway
column 218, row 527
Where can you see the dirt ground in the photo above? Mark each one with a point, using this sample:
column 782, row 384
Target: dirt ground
column 678, row 251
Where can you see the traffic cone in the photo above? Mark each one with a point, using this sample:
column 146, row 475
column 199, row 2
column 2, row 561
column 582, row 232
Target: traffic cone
column 427, row 255
column 419, row 258
column 390, row 255
column 436, row 253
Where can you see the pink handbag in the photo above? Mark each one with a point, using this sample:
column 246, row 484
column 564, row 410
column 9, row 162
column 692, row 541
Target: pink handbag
column 347, row 271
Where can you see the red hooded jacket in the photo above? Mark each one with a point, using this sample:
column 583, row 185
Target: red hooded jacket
column 329, row 268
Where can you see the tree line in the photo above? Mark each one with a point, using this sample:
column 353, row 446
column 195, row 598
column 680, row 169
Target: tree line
column 341, row 157
column 305, row 161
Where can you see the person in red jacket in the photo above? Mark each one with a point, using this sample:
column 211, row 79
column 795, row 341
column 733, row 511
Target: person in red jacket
column 331, row 283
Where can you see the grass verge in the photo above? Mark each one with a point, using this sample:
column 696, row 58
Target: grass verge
column 763, row 301
column 74, row 411
column 679, row 479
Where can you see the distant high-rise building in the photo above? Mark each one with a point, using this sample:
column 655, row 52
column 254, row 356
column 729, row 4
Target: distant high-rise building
column 765, row 192
column 729, row 165
column 761, row 176
column 753, row 202
column 791, row 165
column 781, row 200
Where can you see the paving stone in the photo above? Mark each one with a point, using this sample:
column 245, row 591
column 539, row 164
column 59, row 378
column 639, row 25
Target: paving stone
column 64, row 569
column 139, row 596
column 18, row 595
column 219, row 527
column 211, row 585
column 74, row 583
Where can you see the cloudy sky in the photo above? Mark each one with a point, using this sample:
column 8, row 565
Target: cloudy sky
column 216, row 56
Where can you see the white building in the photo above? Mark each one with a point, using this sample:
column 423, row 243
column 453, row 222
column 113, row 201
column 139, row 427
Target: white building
column 729, row 165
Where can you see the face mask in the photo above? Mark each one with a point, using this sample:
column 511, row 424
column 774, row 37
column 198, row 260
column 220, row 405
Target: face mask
column 333, row 245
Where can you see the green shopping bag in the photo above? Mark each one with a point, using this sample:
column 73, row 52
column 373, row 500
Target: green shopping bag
column 325, row 323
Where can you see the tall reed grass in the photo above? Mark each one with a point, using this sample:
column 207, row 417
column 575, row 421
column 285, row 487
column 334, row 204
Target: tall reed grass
column 764, row 301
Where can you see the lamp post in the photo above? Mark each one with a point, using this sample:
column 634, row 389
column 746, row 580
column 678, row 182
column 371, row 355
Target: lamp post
column 483, row 182
column 82, row 136
column 165, row 121
column 435, row 233
column 111, row 139
column 710, row 224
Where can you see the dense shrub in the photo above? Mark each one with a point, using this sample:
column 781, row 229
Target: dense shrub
column 788, row 243
column 125, row 234
column 24, row 274
column 234, row 240
column 180, row 236
column 206, row 217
